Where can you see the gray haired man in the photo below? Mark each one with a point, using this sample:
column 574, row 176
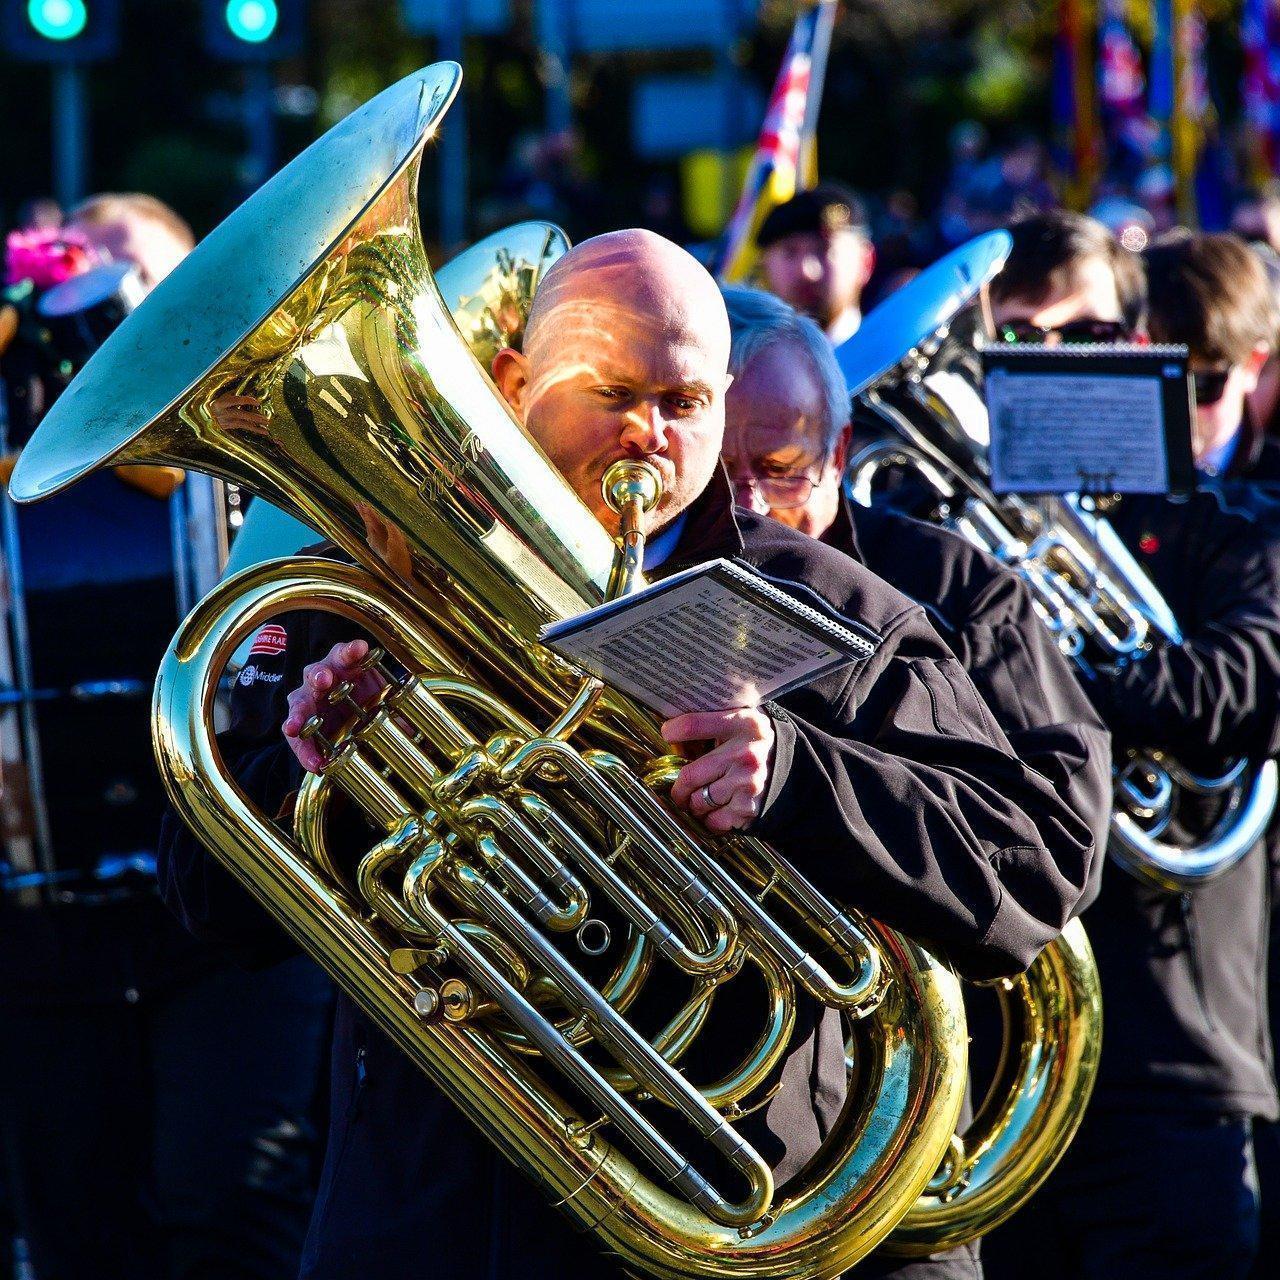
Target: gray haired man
column 786, row 445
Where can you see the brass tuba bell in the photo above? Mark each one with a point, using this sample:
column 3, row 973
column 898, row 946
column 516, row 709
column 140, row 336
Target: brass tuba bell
column 527, row 880
column 1052, row 1014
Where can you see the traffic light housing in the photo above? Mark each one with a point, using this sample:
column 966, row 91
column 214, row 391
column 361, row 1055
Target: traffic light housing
column 61, row 31
column 254, row 30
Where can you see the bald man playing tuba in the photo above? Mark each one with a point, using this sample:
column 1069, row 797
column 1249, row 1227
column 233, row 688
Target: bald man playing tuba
column 888, row 782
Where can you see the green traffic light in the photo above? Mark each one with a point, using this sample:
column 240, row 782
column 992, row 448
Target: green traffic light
column 252, row 20
column 59, row 19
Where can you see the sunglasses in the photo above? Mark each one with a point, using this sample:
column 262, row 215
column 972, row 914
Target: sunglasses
column 1209, row 384
column 1073, row 332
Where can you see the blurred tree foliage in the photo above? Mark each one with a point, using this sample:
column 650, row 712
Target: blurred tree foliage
column 903, row 73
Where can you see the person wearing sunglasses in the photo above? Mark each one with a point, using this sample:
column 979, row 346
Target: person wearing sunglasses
column 787, row 435
column 1067, row 281
column 1159, row 1181
column 1082, row 332
column 1211, row 293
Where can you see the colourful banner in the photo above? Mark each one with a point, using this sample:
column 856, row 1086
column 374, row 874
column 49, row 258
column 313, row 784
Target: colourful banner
column 1122, row 84
column 1260, row 37
column 785, row 158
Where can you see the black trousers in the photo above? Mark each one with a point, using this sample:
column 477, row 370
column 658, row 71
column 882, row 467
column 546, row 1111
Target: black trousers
column 175, row 1138
column 1164, row 1196
column 1267, row 1150
column 963, row 1263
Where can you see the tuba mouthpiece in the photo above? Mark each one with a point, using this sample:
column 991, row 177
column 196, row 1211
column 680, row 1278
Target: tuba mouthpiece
column 630, row 479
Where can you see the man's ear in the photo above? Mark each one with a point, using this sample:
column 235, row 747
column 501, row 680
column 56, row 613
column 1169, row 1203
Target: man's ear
column 840, row 451
column 868, row 260
column 511, row 374
column 1259, row 356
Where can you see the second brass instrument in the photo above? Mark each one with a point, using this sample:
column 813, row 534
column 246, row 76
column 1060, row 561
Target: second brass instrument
column 1052, row 1014
column 1090, row 592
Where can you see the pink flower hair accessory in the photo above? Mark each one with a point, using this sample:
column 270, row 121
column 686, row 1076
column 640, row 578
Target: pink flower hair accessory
column 46, row 256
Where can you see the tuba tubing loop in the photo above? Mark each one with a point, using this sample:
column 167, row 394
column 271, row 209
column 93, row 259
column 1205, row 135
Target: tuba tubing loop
column 818, row 1233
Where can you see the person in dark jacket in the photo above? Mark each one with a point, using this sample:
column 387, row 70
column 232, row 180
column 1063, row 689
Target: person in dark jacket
column 1213, row 293
column 1159, row 1181
column 160, row 1108
column 893, row 763
column 787, row 433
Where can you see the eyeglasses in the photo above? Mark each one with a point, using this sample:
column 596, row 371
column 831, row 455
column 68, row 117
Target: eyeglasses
column 1073, row 332
column 781, row 492
column 1210, row 384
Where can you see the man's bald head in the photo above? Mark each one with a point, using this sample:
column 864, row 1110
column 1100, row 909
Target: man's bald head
column 625, row 355
column 634, row 270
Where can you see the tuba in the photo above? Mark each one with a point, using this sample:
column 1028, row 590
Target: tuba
column 1052, row 1014
column 915, row 376
column 528, row 899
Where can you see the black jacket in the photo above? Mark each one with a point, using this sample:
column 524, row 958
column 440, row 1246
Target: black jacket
column 893, row 763
column 1183, row 977
column 986, row 615
column 1256, row 458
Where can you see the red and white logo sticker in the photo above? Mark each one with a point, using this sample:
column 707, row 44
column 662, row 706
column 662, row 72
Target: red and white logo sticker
column 271, row 639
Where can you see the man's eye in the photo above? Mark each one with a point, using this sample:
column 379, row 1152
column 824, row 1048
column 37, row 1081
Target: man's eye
column 610, row 393
column 685, row 404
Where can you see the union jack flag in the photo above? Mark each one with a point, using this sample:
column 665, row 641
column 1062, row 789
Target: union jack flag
column 783, row 161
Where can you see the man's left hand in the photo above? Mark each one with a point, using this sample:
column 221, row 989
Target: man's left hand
column 726, row 786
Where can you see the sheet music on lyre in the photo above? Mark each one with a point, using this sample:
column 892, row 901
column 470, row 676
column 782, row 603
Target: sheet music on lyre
column 710, row 638
column 1088, row 419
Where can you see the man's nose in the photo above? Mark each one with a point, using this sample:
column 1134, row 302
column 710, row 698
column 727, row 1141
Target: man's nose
column 746, row 494
column 645, row 430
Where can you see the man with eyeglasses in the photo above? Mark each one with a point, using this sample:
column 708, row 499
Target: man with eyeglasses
column 1160, row 1181
column 786, row 438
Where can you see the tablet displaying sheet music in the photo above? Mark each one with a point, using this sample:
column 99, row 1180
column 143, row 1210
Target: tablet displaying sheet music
column 1089, row 419
column 711, row 638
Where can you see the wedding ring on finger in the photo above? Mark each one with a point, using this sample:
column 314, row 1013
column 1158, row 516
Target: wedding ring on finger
column 707, row 801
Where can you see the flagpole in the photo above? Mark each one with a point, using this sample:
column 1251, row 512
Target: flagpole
column 808, row 175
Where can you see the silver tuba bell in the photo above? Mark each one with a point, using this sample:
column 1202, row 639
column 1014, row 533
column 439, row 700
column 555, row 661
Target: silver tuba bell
column 913, row 370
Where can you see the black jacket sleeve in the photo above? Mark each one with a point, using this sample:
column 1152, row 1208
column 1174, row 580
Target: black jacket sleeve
column 194, row 884
column 910, row 803
column 202, row 893
column 1218, row 692
column 1051, row 725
